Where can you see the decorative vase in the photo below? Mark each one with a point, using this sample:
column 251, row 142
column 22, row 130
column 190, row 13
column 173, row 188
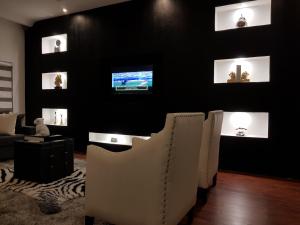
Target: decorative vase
column 242, row 22
column 54, row 117
column 61, row 120
column 57, row 46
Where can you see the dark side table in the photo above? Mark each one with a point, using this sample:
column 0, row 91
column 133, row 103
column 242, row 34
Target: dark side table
column 44, row 161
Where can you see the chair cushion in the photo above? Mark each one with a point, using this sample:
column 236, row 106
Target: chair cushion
column 8, row 123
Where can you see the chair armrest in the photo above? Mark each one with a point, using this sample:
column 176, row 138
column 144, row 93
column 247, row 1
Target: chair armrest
column 153, row 134
column 120, row 183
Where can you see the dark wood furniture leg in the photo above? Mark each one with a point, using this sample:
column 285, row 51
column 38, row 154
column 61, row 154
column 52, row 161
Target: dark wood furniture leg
column 89, row 220
column 190, row 215
column 202, row 195
column 214, row 180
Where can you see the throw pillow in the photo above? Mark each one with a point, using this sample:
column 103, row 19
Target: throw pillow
column 8, row 123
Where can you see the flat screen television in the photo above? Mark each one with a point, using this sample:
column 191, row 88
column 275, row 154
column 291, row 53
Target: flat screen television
column 132, row 80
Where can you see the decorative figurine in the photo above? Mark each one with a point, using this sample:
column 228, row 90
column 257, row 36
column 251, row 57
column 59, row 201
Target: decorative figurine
column 244, row 77
column 61, row 120
column 241, row 132
column 238, row 73
column 238, row 77
column 40, row 128
column 57, row 46
column 54, row 117
column 242, row 22
column 58, row 82
column 232, row 76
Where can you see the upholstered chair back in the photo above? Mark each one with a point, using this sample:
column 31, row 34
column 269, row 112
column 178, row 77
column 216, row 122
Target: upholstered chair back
column 181, row 164
column 153, row 183
column 209, row 152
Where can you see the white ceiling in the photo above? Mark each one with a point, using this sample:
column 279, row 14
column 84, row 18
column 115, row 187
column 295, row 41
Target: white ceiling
column 27, row 12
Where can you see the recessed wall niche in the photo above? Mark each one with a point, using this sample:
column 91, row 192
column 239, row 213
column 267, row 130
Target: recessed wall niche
column 115, row 139
column 54, row 80
column 55, row 117
column 242, row 70
column 55, row 43
column 246, row 124
column 246, row 14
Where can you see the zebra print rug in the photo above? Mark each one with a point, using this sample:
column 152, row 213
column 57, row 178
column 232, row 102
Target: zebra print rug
column 50, row 196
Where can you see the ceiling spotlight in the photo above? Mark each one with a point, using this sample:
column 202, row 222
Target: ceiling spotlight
column 64, row 10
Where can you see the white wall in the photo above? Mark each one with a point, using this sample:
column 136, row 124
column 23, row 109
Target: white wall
column 12, row 49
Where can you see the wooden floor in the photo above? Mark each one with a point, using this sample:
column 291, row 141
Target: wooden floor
column 249, row 200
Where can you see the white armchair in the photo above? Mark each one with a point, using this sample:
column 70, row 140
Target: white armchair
column 209, row 151
column 153, row 183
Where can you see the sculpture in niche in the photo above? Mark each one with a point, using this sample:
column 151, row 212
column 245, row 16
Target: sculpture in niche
column 236, row 77
column 240, row 121
column 61, row 120
column 242, row 22
column 54, row 117
column 232, row 76
column 241, row 131
column 58, row 82
column 57, row 46
column 244, row 77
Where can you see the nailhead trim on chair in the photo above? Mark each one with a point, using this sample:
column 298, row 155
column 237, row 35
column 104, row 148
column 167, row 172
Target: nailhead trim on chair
column 166, row 177
column 165, row 189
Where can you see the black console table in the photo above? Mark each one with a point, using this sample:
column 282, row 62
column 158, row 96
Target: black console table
column 44, row 161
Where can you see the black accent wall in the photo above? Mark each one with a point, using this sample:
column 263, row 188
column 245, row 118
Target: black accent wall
column 178, row 38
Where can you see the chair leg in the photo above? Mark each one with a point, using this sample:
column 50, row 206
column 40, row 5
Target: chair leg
column 190, row 215
column 202, row 195
column 89, row 220
column 214, row 181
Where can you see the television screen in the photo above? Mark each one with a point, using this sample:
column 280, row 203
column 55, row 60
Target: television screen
column 134, row 80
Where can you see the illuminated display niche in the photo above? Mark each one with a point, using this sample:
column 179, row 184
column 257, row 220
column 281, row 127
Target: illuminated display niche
column 114, row 139
column 48, row 80
column 54, row 44
column 249, row 14
column 55, row 117
column 258, row 69
column 246, row 124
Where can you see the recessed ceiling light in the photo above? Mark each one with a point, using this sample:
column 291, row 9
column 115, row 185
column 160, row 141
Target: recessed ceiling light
column 64, row 10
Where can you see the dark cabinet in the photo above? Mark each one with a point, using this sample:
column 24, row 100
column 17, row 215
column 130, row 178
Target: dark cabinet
column 44, row 162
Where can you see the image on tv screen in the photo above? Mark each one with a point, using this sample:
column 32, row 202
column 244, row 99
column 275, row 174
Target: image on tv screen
column 132, row 81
